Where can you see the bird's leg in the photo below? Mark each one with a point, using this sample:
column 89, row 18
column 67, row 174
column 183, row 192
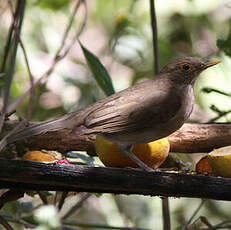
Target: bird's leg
column 127, row 152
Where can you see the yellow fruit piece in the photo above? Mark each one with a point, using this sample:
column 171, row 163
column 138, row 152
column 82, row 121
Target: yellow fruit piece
column 203, row 165
column 41, row 156
column 152, row 154
column 220, row 161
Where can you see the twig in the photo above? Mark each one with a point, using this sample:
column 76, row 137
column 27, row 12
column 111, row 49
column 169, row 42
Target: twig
column 18, row 221
column 64, row 227
column 223, row 225
column 55, row 197
column 17, row 27
column 10, row 195
column 204, row 220
column 67, row 30
column 210, row 90
column 30, row 103
column 100, row 226
column 3, row 142
column 194, row 214
column 219, row 112
column 165, row 202
column 154, row 37
column 32, row 91
column 7, row 49
column 5, row 224
column 132, row 5
column 220, row 116
column 166, row 213
column 80, row 29
column 76, row 206
column 63, row 197
column 57, row 58
column 43, row 197
column 8, row 42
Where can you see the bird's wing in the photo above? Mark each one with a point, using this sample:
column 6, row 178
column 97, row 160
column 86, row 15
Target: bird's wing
column 131, row 112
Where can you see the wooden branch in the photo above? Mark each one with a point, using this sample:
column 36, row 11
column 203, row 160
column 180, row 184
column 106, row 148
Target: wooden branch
column 191, row 138
column 63, row 140
column 28, row 175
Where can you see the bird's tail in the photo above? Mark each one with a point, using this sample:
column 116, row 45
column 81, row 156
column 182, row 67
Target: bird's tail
column 68, row 121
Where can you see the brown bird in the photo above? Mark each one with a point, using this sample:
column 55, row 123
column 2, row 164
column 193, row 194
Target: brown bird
column 145, row 112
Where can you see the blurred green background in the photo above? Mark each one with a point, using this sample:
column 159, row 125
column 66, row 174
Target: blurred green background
column 118, row 32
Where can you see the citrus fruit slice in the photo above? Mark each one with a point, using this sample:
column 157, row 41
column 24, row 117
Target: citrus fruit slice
column 41, row 156
column 152, row 154
column 203, row 165
column 220, row 161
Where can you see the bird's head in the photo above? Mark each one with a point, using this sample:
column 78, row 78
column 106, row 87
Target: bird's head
column 185, row 70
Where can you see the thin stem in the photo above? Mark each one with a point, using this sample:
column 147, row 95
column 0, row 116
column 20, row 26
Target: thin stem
column 63, row 197
column 10, row 195
column 194, row 214
column 8, row 42
column 67, row 30
column 219, row 112
column 43, row 197
column 32, row 91
column 7, row 48
column 100, row 226
column 18, row 19
column 76, row 206
column 19, row 126
column 30, row 103
column 5, row 224
column 154, row 37
column 57, row 58
column 165, row 201
column 223, row 225
column 210, row 90
column 18, row 221
column 166, row 213
column 220, row 116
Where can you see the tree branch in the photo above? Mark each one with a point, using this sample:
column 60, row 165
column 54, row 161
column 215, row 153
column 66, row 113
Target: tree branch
column 195, row 138
column 191, row 138
column 28, row 175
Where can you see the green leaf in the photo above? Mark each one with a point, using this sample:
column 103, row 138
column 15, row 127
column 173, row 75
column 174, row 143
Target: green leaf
column 52, row 4
column 99, row 72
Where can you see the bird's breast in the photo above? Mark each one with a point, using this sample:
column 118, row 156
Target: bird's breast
column 187, row 103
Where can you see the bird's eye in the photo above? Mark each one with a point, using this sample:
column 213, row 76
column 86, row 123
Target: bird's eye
column 186, row 67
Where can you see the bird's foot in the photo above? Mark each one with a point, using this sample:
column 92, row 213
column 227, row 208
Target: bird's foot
column 137, row 160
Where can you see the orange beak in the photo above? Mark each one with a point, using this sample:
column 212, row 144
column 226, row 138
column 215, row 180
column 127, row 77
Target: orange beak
column 211, row 63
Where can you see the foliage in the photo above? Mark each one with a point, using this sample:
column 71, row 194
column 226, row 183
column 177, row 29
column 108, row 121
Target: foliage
column 99, row 72
column 52, row 5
